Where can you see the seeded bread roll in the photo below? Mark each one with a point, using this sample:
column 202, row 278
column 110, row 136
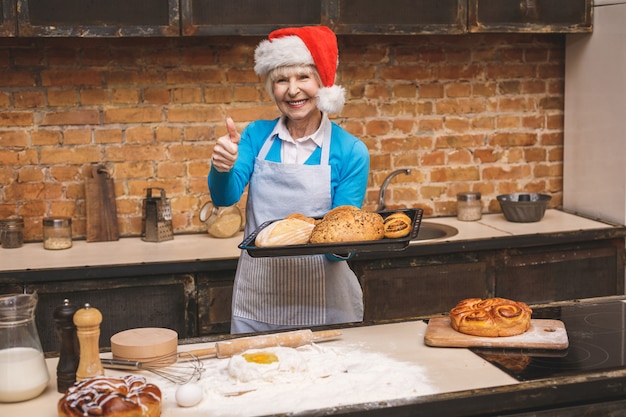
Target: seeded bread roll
column 348, row 224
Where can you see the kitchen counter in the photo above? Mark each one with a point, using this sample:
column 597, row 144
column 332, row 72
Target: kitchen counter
column 200, row 252
column 447, row 369
column 459, row 382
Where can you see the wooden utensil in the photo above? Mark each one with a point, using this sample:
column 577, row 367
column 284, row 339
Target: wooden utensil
column 542, row 334
column 100, row 206
column 228, row 348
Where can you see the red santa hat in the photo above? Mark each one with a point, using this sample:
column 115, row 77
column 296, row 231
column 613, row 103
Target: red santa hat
column 308, row 45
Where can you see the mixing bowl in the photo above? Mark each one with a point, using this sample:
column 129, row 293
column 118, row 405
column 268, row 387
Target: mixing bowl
column 524, row 207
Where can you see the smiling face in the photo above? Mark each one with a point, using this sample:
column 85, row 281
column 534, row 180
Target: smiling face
column 294, row 90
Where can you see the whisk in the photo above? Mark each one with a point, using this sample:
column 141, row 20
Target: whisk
column 179, row 368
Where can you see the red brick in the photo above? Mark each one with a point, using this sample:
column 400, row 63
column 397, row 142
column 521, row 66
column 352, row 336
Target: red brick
column 58, row 78
column 148, row 153
column 133, row 115
column 62, row 98
column 27, row 99
column 189, row 114
column 70, row 117
column 16, row 118
column 13, row 139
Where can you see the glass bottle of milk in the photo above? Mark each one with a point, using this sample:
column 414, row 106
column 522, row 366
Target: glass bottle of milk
column 23, row 370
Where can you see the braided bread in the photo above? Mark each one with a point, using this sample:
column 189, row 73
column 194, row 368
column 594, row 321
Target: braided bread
column 492, row 317
column 111, row 397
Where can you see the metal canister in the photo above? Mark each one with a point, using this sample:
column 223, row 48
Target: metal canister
column 468, row 207
column 12, row 232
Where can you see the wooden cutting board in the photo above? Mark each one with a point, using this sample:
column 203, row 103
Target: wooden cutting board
column 542, row 334
column 101, row 211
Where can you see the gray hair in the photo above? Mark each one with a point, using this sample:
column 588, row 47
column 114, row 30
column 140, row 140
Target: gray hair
column 287, row 71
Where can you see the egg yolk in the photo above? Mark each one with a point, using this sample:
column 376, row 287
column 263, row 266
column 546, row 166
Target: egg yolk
column 263, row 358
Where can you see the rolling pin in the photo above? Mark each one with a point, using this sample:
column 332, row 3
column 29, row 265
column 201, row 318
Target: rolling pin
column 293, row 339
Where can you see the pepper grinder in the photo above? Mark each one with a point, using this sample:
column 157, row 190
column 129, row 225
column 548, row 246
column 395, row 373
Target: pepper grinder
column 87, row 321
column 68, row 358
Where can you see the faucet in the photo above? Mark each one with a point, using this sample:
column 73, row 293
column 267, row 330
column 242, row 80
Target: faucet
column 383, row 188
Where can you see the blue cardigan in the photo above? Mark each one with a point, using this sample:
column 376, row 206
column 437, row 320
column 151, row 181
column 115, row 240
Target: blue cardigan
column 349, row 161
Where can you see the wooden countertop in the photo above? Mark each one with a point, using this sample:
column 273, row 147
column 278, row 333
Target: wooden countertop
column 447, row 370
column 202, row 248
column 461, row 383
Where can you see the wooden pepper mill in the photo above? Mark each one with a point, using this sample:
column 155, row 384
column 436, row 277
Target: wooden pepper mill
column 68, row 357
column 87, row 321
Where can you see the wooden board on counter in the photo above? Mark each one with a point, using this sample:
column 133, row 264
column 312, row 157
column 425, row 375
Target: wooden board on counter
column 542, row 334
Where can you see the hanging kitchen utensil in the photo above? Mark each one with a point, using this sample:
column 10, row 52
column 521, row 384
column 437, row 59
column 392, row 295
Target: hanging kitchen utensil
column 100, row 206
column 156, row 221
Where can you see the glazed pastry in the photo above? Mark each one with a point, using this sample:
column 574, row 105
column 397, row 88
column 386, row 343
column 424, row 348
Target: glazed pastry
column 111, row 397
column 348, row 224
column 284, row 232
column 492, row 317
column 397, row 225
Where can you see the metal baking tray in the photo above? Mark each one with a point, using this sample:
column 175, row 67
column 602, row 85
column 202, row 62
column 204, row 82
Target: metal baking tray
column 381, row 245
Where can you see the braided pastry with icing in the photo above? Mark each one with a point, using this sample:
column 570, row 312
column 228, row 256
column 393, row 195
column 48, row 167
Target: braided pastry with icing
column 104, row 396
column 492, row 317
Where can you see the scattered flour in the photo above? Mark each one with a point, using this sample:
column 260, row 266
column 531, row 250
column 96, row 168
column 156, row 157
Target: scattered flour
column 311, row 377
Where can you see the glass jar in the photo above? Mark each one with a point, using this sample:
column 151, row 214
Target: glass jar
column 221, row 222
column 23, row 370
column 12, row 232
column 468, row 207
column 57, row 233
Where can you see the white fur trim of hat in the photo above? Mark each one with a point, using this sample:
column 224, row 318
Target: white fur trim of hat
column 308, row 45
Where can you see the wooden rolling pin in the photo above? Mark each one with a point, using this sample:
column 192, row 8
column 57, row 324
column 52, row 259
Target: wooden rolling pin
column 228, row 348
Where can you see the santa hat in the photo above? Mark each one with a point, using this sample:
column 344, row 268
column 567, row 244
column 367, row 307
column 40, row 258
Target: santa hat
column 308, row 45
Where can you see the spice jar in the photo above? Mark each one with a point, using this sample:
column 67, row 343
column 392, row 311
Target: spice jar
column 12, row 232
column 57, row 233
column 468, row 207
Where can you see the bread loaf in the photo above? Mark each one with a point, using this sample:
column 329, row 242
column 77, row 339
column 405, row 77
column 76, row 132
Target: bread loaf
column 492, row 317
column 284, row 232
column 348, row 224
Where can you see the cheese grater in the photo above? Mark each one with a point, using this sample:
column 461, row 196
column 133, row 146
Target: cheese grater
column 156, row 221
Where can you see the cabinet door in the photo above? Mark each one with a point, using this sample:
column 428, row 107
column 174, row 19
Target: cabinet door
column 405, row 288
column 125, row 303
column 215, row 295
column 398, row 16
column 89, row 18
column 539, row 16
column 7, row 18
column 542, row 275
column 248, row 17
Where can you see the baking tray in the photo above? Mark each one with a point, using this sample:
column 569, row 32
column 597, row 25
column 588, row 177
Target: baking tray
column 381, row 245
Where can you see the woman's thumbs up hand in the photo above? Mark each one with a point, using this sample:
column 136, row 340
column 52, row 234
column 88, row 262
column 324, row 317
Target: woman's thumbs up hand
column 226, row 149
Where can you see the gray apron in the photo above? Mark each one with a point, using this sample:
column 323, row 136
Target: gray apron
column 281, row 292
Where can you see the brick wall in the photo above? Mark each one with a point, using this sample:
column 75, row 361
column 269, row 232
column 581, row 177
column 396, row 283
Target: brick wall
column 475, row 112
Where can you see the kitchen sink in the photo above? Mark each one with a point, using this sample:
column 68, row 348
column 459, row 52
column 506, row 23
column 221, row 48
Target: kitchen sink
column 430, row 231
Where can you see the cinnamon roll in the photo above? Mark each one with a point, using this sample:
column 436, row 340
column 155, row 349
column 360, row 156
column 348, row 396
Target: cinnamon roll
column 492, row 317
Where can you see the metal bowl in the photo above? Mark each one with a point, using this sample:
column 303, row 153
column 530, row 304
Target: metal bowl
column 524, row 207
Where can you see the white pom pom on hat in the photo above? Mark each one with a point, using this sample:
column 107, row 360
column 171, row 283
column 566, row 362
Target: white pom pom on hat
column 307, row 45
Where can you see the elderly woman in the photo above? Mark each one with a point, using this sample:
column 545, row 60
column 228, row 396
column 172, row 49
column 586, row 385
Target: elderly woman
column 299, row 163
